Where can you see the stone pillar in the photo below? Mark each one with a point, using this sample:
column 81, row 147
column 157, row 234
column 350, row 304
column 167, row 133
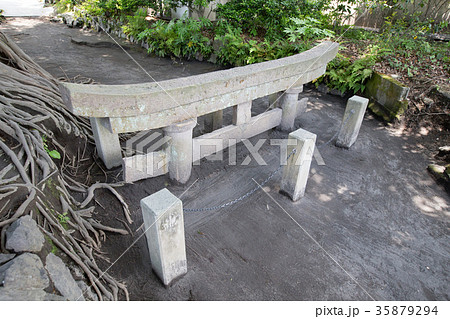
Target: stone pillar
column 296, row 171
column 242, row 113
column 289, row 105
column 351, row 123
column 164, row 229
column 179, row 150
column 107, row 143
column 213, row 121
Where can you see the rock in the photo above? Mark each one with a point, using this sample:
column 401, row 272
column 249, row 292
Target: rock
column 22, row 295
column 444, row 93
column 444, row 150
column 388, row 96
column 213, row 58
column 428, row 101
column 76, row 272
column 87, row 291
column 6, row 257
column 24, row 272
column 52, row 297
column 441, row 175
column 322, row 88
column 62, row 279
column 198, row 56
column 24, row 235
column 337, row 92
column 439, row 37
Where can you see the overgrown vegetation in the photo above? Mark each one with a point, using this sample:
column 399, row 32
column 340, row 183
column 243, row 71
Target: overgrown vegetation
column 253, row 31
column 181, row 38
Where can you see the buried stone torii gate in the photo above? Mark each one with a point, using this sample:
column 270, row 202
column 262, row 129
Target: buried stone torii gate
column 174, row 105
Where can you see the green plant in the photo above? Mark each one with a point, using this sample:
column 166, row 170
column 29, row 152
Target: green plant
column 52, row 153
column 63, row 219
column 136, row 23
column 54, row 249
column 306, row 30
column 238, row 50
column 344, row 74
column 181, row 38
column 266, row 18
column 66, row 5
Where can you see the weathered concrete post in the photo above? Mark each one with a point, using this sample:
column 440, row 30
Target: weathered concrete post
column 107, row 143
column 289, row 105
column 351, row 123
column 179, row 150
column 242, row 113
column 164, row 230
column 213, row 121
column 296, row 171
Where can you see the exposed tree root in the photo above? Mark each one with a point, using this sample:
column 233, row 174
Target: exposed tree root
column 30, row 103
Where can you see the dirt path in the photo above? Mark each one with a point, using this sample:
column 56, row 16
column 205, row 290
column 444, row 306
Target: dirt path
column 25, row 8
column 373, row 208
column 56, row 48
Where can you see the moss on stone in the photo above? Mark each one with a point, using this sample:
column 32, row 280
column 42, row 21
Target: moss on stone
column 387, row 96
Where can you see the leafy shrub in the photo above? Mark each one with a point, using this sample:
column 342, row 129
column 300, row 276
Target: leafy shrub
column 136, row 23
column 306, row 30
column 238, row 51
column 344, row 74
column 66, row 5
column 181, row 38
column 265, row 17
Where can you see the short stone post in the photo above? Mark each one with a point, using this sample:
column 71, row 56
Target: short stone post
column 289, row 105
column 107, row 143
column 351, row 123
column 296, row 171
column 164, row 230
column 179, row 150
column 242, row 113
column 213, row 121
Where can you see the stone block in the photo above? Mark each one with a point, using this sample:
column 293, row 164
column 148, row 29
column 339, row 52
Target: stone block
column 164, row 229
column 179, row 150
column 227, row 136
column 289, row 105
column 352, row 120
column 296, row 171
column 144, row 166
column 24, row 272
column 62, row 278
column 24, row 235
column 389, row 96
column 22, row 295
column 6, row 257
column 107, row 143
column 242, row 113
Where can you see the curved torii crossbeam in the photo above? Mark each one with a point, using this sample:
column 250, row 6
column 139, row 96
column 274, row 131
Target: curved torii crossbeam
column 175, row 104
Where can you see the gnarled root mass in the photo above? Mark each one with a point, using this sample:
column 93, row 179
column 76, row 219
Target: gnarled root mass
column 30, row 104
